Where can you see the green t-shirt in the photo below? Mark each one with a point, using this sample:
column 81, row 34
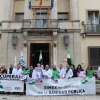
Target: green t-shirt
column 26, row 72
column 90, row 73
column 55, row 72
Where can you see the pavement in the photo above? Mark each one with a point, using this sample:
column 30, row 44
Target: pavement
column 72, row 97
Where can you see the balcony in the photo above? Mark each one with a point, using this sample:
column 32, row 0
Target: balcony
column 92, row 28
column 37, row 24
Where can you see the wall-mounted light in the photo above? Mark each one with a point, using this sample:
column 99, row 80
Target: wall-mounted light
column 83, row 22
column 14, row 40
column 66, row 40
column 84, row 35
column 0, row 23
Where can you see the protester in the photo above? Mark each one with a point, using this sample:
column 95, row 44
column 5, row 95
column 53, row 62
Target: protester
column 37, row 75
column 55, row 72
column 23, row 68
column 10, row 69
column 90, row 72
column 17, row 71
column 61, row 71
column 79, row 68
column 47, row 73
column 26, row 70
column 74, row 71
column 2, row 68
column 98, row 73
column 68, row 73
column 31, row 71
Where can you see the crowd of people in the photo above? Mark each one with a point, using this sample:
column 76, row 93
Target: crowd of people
column 47, row 73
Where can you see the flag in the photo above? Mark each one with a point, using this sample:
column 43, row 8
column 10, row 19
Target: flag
column 52, row 4
column 29, row 4
column 15, row 62
column 70, row 60
column 22, row 62
column 40, row 57
column 40, row 3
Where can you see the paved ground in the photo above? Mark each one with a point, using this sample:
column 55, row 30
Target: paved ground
column 74, row 97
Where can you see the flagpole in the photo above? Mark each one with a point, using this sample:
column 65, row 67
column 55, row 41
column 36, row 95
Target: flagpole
column 40, row 16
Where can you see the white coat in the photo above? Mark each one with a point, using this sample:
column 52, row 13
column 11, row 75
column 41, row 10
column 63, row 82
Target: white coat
column 98, row 72
column 36, row 75
column 69, row 74
column 17, row 71
column 61, row 72
column 47, row 73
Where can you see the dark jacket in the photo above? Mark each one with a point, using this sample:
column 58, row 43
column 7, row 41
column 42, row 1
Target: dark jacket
column 74, row 73
column 4, row 71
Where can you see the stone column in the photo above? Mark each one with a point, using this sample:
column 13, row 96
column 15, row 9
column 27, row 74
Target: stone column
column 26, row 16
column 26, row 10
column 55, row 48
column 54, row 14
column 4, row 49
column 77, row 48
column 74, row 13
column 8, row 10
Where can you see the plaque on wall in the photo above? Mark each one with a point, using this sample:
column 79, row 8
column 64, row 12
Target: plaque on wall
column 40, row 36
column 64, row 59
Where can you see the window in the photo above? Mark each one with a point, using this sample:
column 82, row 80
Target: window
column 41, row 20
column 62, row 16
column 94, row 56
column 93, row 21
column 19, row 16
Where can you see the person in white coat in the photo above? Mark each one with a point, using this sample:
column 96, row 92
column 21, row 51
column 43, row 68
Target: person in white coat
column 17, row 71
column 68, row 73
column 37, row 75
column 10, row 70
column 98, row 73
column 61, row 71
column 47, row 73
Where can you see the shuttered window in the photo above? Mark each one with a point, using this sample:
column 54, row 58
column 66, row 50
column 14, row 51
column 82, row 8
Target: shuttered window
column 94, row 56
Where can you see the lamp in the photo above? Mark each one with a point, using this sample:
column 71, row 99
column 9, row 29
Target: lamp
column 84, row 35
column 66, row 40
column 14, row 40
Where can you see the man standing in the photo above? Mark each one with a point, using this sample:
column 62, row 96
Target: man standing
column 36, row 74
column 10, row 70
column 55, row 72
column 17, row 71
column 47, row 73
column 26, row 70
column 61, row 71
column 31, row 72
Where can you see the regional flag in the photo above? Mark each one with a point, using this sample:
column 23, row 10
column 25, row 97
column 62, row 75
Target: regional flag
column 29, row 4
column 52, row 4
column 40, row 57
column 70, row 60
column 40, row 3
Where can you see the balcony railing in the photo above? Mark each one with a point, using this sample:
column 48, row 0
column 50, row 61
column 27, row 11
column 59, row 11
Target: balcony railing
column 37, row 23
column 92, row 29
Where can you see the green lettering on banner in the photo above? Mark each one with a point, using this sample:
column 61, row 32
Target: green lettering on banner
column 1, row 87
column 85, row 82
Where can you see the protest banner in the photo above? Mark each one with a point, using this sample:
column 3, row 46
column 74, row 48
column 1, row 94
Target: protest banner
column 79, row 85
column 11, row 83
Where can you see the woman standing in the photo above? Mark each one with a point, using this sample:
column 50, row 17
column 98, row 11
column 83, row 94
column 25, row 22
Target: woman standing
column 90, row 72
column 79, row 68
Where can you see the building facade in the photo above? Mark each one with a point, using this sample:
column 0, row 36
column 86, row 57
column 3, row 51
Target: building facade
column 71, row 24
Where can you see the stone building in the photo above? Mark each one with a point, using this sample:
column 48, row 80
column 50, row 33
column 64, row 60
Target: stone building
column 71, row 24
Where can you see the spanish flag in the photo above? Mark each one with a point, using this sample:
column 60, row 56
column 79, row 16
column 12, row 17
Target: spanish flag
column 40, row 3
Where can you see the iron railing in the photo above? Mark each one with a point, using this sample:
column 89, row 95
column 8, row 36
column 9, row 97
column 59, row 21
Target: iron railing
column 92, row 28
column 37, row 23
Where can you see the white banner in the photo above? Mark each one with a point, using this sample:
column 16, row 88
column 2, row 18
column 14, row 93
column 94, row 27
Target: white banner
column 80, row 85
column 11, row 83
